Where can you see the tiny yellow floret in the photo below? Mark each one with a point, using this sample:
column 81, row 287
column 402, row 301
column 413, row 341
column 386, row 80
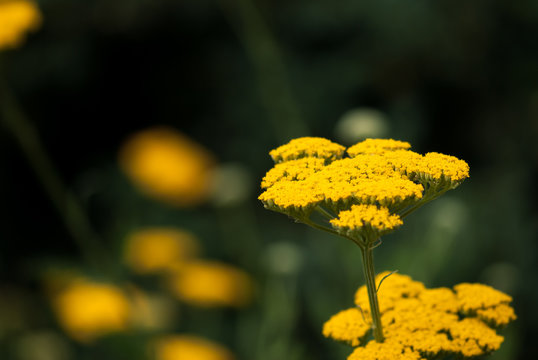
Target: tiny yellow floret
column 16, row 18
column 189, row 347
column 209, row 284
column 153, row 250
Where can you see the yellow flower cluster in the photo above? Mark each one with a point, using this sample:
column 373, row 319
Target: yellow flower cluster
column 209, row 283
column 488, row 304
column 189, row 347
column 307, row 147
column 365, row 218
column 293, row 170
column 16, row 18
column 311, row 173
column 87, row 309
column 377, row 146
column 168, row 166
column 421, row 323
column 154, row 250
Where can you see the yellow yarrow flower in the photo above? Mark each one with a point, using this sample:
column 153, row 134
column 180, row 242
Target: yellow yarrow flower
column 189, row 347
column 368, row 218
column 388, row 350
column 307, row 147
column 424, row 322
column 209, row 283
column 350, row 326
column 169, row 166
column 296, row 198
column 497, row 316
column 311, row 174
column 377, row 146
column 16, row 18
column 87, row 309
column 473, row 297
column 293, row 170
column 157, row 249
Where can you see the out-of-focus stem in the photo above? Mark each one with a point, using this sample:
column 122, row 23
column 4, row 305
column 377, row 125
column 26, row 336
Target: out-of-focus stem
column 264, row 54
column 64, row 200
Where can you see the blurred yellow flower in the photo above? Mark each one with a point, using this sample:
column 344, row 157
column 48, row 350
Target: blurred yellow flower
column 189, row 347
column 87, row 310
column 156, row 249
column 169, row 166
column 209, row 283
column 16, row 18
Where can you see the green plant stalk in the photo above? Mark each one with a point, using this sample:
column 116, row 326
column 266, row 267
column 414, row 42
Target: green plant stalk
column 367, row 246
column 67, row 204
column 369, row 274
column 265, row 55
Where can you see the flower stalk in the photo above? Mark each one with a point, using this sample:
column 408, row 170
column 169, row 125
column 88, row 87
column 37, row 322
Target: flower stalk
column 71, row 211
column 369, row 274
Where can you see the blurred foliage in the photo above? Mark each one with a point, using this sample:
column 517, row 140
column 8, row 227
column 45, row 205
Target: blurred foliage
column 240, row 78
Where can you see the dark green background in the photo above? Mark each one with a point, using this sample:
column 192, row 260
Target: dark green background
column 242, row 77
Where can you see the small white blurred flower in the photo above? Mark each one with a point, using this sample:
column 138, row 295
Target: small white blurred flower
column 502, row 275
column 450, row 214
column 283, row 258
column 232, row 184
column 361, row 123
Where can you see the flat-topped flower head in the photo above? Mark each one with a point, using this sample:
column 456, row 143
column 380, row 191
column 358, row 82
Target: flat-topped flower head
column 388, row 350
column 423, row 323
column 473, row 297
column 308, row 147
column 366, row 218
column 294, row 198
column 488, row 304
column 438, row 172
column 350, row 326
column 312, row 174
column 16, row 18
column 293, row 170
column 377, row 146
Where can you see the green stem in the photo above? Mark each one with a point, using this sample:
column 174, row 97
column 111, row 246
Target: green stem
column 319, row 227
column 324, row 212
column 369, row 274
column 264, row 54
column 65, row 201
column 423, row 202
